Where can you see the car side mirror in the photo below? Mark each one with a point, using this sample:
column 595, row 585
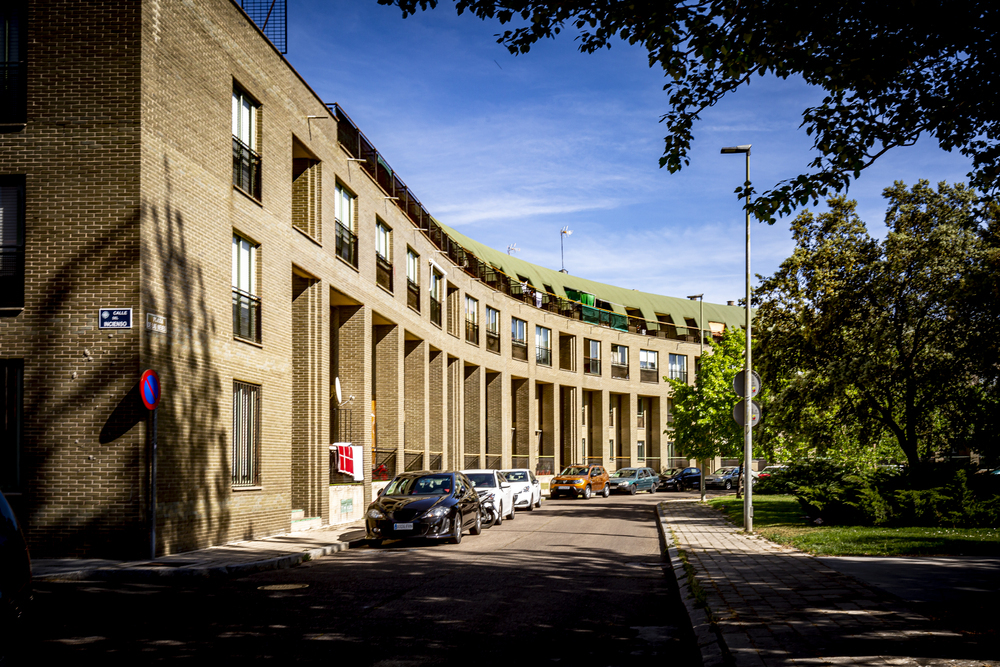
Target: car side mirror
column 504, row 485
column 381, row 491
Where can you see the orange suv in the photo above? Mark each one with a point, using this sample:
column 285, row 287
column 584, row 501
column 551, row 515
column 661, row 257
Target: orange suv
column 583, row 481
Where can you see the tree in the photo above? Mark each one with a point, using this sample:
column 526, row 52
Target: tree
column 893, row 338
column 703, row 425
column 892, row 71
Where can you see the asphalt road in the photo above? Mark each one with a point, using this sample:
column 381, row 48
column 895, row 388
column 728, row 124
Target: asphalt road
column 575, row 582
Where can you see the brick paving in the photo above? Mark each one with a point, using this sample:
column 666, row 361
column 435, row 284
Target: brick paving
column 770, row 604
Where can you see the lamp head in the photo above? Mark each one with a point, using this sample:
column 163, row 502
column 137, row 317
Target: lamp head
column 696, row 296
column 745, row 148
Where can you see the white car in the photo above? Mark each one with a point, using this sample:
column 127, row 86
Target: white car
column 526, row 487
column 491, row 484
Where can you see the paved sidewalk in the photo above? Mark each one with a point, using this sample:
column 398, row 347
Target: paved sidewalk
column 237, row 559
column 773, row 605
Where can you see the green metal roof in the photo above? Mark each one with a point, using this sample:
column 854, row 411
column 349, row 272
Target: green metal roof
column 620, row 298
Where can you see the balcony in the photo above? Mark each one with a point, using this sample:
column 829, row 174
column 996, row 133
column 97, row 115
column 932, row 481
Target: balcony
column 619, row 371
column 246, row 169
column 543, row 356
column 649, row 375
column 472, row 332
column 435, row 311
column 519, row 350
column 493, row 341
column 383, row 272
column 413, row 295
column 246, row 315
column 591, row 366
column 347, row 245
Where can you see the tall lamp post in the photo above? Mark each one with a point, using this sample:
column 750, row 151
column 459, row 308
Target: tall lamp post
column 565, row 231
column 701, row 335
column 747, row 403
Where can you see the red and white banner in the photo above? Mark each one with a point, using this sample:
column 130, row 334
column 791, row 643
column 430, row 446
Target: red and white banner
column 350, row 461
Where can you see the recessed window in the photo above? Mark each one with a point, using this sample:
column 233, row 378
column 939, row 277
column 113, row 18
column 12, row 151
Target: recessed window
column 518, row 340
column 591, row 356
column 678, row 367
column 619, row 362
column 246, row 159
column 13, row 66
column 648, row 368
column 383, row 255
column 11, row 426
column 543, row 346
column 11, row 244
column 412, row 279
column 471, row 320
column 246, row 434
column 345, row 213
column 246, row 302
column 436, row 290
column 492, row 329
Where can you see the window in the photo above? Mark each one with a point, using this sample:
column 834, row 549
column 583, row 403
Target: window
column 11, row 409
column 648, row 366
column 383, row 254
column 591, row 356
column 518, row 339
column 543, row 346
column 619, row 362
column 640, row 447
column 246, row 303
column 640, row 421
column 344, row 208
column 437, row 279
column 471, row 319
column 13, row 98
column 246, row 160
column 492, row 329
column 307, row 192
column 246, row 434
column 678, row 367
column 11, row 243
column 412, row 279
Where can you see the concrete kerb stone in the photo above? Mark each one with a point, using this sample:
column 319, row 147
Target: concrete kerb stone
column 706, row 632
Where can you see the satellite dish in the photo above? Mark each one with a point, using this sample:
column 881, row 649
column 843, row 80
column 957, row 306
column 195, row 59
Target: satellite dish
column 336, row 388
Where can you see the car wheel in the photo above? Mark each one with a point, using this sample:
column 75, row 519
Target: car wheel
column 478, row 528
column 553, row 495
column 587, row 492
column 456, row 529
column 653, row 489
column 499, row 514
column 374, row 544
column 631, row 489
column 513, row 510
column 538, row 503
column 607, row 490
column 729, row 484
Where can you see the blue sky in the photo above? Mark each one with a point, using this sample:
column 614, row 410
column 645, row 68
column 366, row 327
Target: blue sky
column 510, row 149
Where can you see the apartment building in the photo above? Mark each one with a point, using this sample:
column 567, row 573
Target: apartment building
column 173, row 196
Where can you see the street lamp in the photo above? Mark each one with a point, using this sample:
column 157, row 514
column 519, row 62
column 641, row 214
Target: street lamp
column 701, row 335
column 565, row 231
column 747, row 403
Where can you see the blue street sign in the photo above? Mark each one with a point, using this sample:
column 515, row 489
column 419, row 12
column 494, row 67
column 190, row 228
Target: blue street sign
column 114, row 318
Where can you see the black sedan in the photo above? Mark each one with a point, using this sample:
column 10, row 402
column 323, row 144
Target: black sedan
column 688, row 478
column 436, row 505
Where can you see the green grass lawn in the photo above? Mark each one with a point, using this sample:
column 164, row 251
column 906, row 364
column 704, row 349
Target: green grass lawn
column 780, row 519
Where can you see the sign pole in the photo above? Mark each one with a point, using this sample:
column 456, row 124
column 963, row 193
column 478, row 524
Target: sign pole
column 152, row 484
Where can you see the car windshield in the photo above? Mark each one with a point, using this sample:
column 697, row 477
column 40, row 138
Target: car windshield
column 723, row 471
column 625, row 472
column 428, row 485
column 516, row 476
column 576, row 470
column 482, row 480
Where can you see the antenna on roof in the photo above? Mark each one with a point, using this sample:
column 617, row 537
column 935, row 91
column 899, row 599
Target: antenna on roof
column 513, row 248
column 271, row 16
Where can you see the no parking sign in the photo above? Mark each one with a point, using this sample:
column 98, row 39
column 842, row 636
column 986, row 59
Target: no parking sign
column 149, row 389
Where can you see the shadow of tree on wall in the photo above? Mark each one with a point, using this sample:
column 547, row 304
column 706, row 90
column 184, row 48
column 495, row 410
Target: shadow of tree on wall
column 195, row 477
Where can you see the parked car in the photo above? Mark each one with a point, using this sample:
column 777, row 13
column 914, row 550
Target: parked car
column 436, row 505
column 771, row 470
column 580, row 480
column 492, row 484
column 633, row 480
column 15, row 576
column 687, row 478
column 526, row 488
column 667, row 473
column 726, row 478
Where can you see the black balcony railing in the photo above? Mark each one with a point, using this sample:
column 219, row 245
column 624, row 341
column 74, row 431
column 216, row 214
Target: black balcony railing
column 543, row 356
column 591, row 366
column 11, row 277
column 519, row 350
column 472, row 332
column 493, row 341
column 383, row 272
column 435, row 311
column 412, row 294
column 246, row 168
column 13, row 94
column 619, row 371
column 678, row 374
column 347, row 244
column 246, row 315
column 649, row 375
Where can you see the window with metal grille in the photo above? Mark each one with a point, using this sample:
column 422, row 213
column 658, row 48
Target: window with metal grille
column 246, row 434
column 412, row 279
column 246, row 159
column 518, row 342
column 13, row 97
column 344, row 213
column 472, row 320
column 492, row 329
column 246, row 303
column 592, row 356
column 543, row 346
column 436, row 289
column 678, row 367
column 619, row 362
column 11, row 243
column 648, row 366
column 383, row 255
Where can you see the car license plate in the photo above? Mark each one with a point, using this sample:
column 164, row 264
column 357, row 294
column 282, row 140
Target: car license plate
column 402, row 526
column 563, row 488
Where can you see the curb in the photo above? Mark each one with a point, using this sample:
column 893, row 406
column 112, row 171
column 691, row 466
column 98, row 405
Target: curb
column 710, row 644
column 219, row 571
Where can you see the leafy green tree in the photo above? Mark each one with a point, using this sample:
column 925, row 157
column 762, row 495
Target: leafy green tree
column 892, row 71
column 895, row 339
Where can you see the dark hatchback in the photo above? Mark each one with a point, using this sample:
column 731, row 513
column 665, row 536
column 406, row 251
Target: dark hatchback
column 435, row 505
column 687, row 478
column 15, row 576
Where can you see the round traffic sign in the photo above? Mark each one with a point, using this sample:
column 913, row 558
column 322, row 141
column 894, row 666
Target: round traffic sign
column 739, row 411
column 740, row 380
column 149, row 389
